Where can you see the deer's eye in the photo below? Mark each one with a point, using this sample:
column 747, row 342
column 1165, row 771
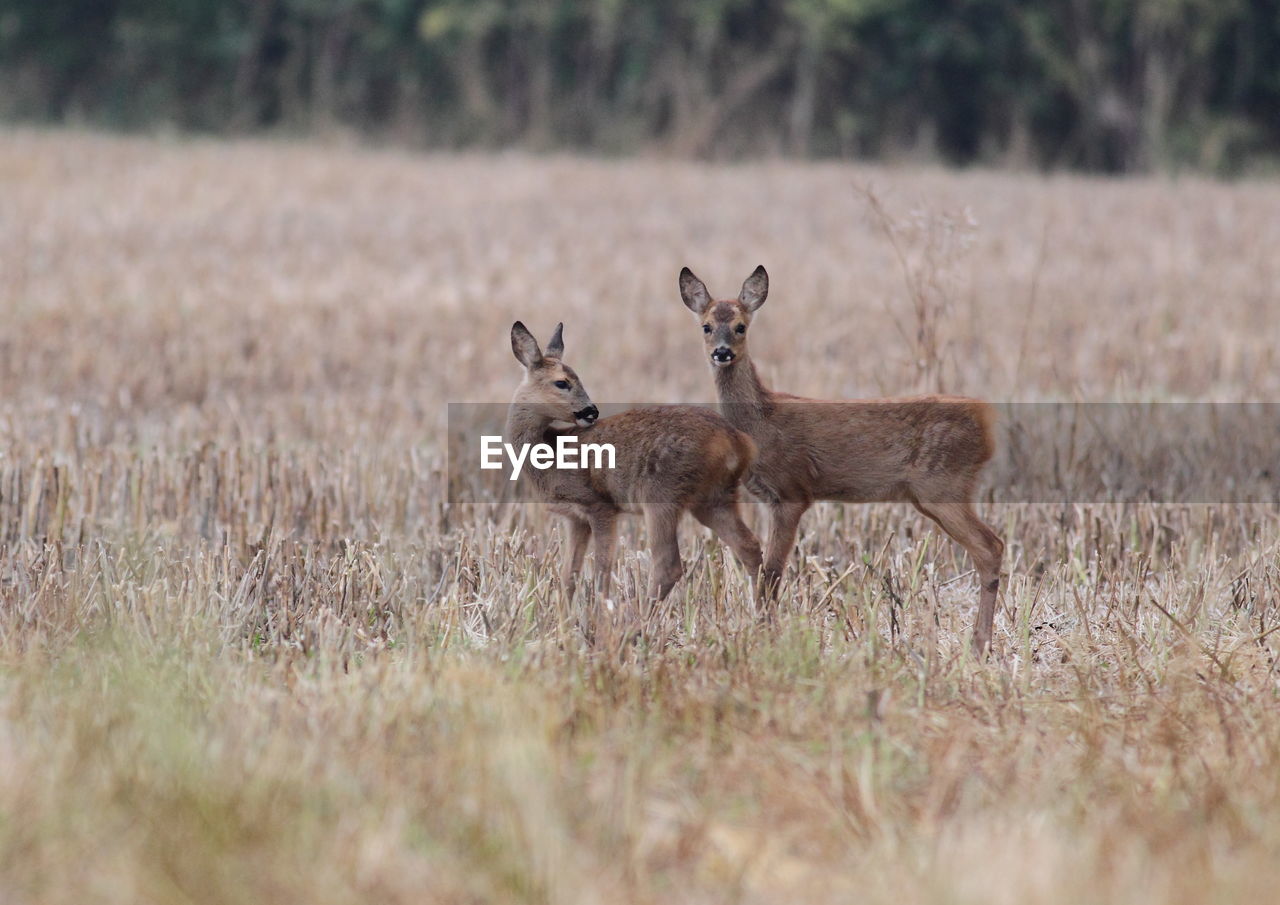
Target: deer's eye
column 562, row 384
column 706, row 328
column 741, row 328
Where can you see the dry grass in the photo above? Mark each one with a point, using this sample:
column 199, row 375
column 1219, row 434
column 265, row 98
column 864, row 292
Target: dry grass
column 249, row 653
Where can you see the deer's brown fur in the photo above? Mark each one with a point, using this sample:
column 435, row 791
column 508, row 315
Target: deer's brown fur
column 926, row 450
column 669, row 461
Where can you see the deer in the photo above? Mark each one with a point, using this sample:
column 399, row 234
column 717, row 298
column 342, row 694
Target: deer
column 669, row 460
column 926, row 450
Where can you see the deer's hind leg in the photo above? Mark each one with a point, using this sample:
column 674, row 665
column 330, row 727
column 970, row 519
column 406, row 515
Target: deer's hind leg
column 986, row 549
column 725, row 520
column 662, row 523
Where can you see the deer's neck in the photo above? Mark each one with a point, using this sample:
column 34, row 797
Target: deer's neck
column 525, row 425
column 743, row 396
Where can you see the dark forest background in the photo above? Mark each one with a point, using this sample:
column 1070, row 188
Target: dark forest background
column 1102, row 85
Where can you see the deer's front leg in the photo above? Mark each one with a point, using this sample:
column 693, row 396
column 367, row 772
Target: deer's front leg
column 784, row 520
column 604, row 536
column 579, row 534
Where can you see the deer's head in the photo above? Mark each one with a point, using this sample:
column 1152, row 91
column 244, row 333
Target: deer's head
column 724, row 324
column 550, row 387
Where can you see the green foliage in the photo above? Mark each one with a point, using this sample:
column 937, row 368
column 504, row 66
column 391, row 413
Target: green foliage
column 1099, row 84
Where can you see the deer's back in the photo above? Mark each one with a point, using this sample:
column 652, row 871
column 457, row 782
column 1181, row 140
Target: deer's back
column 669, row 454
column 867, row 450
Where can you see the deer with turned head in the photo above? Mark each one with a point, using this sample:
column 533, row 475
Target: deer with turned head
column 926, row 450
column 668, row 461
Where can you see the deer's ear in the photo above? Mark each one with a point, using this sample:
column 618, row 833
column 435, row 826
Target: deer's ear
column 555, row 348
column 525, row 346
column 755, row 290
column 694, row 292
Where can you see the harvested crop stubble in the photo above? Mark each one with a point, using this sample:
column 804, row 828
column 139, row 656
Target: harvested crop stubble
column 248, row 651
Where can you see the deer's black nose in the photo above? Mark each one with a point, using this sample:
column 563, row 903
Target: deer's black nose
column 588, row 415
column 722, row 355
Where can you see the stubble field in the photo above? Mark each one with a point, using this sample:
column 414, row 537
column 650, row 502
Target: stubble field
column 250, row 652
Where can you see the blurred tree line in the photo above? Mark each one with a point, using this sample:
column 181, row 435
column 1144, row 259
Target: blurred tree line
column 1111, row 85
